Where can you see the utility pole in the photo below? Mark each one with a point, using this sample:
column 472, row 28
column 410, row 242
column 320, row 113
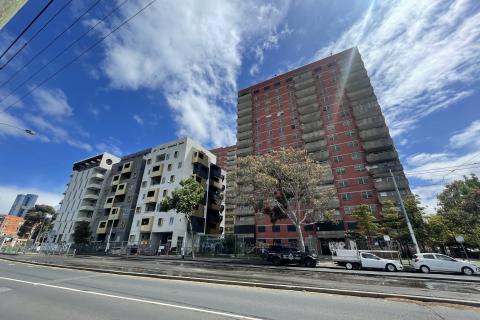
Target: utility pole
column 409, row 225
column 108, row 239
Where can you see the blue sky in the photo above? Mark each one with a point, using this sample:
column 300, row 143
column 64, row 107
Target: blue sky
column 174, row 70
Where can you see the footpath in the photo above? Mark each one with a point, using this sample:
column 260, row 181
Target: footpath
column 434, row 288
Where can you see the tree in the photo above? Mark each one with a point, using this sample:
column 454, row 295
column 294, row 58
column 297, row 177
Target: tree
column 438, row 231
column 34, row 218
column 393, row 222
column 82, row 232
column 185, row 200
column 459, row 204
column 366, row 222
column 286, row 184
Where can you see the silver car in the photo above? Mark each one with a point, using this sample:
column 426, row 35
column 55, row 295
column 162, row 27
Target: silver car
column 427, row 262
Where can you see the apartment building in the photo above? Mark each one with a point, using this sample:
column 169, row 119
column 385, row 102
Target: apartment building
column 81, row 198
column 329, row 108
column 113, row 219
column 22, row 203
column 9, row 225
column 226, row 158
column 167, row 165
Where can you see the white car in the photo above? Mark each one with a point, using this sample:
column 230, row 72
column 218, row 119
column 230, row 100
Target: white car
column 427, row 262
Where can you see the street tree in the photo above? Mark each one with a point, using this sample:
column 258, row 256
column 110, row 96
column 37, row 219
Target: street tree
column 82, row 232
column 185, row 200
column 439, row 233
column 459, row 204
column 36, row 218
column 286, row 184
column 367, row 225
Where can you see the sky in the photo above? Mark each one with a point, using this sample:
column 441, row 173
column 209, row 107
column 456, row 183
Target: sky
column 120, row 76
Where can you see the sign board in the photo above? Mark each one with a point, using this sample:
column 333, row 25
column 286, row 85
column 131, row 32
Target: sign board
column 386, row 237
column 459, row 239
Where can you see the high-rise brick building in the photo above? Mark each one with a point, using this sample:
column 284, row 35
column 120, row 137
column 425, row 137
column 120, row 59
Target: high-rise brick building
column 329, row 108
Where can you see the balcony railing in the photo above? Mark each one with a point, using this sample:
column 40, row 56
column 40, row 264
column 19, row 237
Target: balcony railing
column 244, row 151
column 243, row 105
column 378, row 145
column 315, row 146
column 302, row 77
column 307, row 100
column 245, row 119
column 244, row 143
column 313, row 136
column 244, row 112
column 146, row 227
column 360, row 94
column 305, row 84
column 372, row 122
column 305, row 92
column 312, row 126
column 245, row 135
column 244, row 127
column 374, row 133
column 386, row 184
column 319, row 155
column 381, row 156
column 245, row 98
column 309, row 108
column 307, row 118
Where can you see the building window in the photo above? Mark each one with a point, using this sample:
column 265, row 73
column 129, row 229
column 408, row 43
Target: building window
column 367, row 194
column 356, row 156
column 331, row 127
column 329, row 116
column 291, row 228
column 332, row 137
column 131, row 238
column 326, row 108
column 347, row 196
column 348, row 210
column 363, row 180
column 338, row 159
column 343, row 183
column 148, row 162
column 340, row 170
column 175, row 154
column 168, row 156
column 350, row 133
column 353, row 144
column 261, row 229
column 138, row 209
column 171, row 220
column 360, row 167
column 145, row 221
column 165, row 193
column 179, row 164
column 275, row 228
column 160, row 157
column 336, row 148
column 160, row 222
column 163, row 180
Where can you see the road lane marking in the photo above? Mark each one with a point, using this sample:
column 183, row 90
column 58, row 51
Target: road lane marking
column 71, row 278
column 169, row 305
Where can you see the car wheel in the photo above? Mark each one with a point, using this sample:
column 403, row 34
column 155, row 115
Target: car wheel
column 310, row 263
column 391, row 268
column 425, row 269
column 467, row 271
column 349, row 266
column 277, row 261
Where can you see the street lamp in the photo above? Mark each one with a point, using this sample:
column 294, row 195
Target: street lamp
column 409, row 225
column 27, row 131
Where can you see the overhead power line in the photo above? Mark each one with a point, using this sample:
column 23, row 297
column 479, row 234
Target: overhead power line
column 80, row 55
column 446, row 169
column 43, row 50
column 26, row 28
column 35, row 35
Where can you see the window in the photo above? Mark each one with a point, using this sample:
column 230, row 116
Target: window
column 291, row 228
column 326, row 108
column 332, row 137
column 444, row 258
column 293, row 126
column 169, row 167
column 308, row 227
column 329, row 116
column 338, row 159
column 275, row 228
column 160, row 157
column 367, row 194
column 175, row 154
column 353, row 144
column 148, row 162
column 170, row 222
column 347, row 196
column 429, row 256
column 131, row 238
column 348, row 210
column 350, row 133
column 343, row 183
column 331, row 127
column 261, row 229
column 363, row 180
column 336, row 147
column 356, row 156
column 159, row 222
column 138, row 209
column 145, row 221
column 360, row 167
column 163, row 180
column 168, row 157
column 340, row 170
column 179, row 165
column 165, row 193
column 138, row 223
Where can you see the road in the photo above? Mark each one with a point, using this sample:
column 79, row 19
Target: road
column 35, row 292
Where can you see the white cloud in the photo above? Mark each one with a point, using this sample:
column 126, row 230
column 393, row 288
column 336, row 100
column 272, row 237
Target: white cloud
column 422, row 56
column 468, row 137
column 12, row 126
column 190, row 51
column 52, row 102
column 8, row 194
column 111, row 145
column 138, row 119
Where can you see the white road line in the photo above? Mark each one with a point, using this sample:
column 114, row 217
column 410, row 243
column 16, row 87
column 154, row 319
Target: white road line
column 72, row 278
column 170, row 305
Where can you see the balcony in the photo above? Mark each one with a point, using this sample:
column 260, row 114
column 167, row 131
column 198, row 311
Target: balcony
column 314, row 136
column 245, row 119
column 307, row 100
column 244, row 135
column 374, row 133
column 114, row 213
column 214, row 207
column 311, row 127
column 146, row 224
column 216, row 183
column 359, row 73
column 319, row 155
column 386, row 183
column 309, row 108
column 305, row 92
column 244, row 127
column 243, row 105
column 383, row 197
column 156, row 171
column 381, row 156
column 115, row 180
column 373, row 122
column 199, row 212
column 108, row 203
column 378, row 145
column 333, row 204
column 305, row 84
column 121, row 189
column 315, row 146
column 200, row 157
column 87, row 207
column 360, row 94
column 244, row 143
column 348, row 65
column 152, row 196
column 244, row 151
column 383, row 169
column 244, row 112
column 244, row 98
column 91, row 196
column 98, row 176
column 102, row 227
column 357, row 83
column 127, row 167
column 366, row 110
column 303, row 76
column 327, row 177
column 307, row 118
column 94, row 186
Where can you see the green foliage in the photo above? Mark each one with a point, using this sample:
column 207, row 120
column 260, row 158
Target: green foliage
column 82, row 232
column 366, row 222
column 438, row 231
column 33, row 220
column 459, row 205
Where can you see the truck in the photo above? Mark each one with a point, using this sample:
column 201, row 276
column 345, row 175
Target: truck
column 279, row 255
column 362, row 259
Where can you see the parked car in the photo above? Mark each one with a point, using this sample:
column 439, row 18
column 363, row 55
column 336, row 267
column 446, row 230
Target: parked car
column 355, row 259
column 427, row 262
column 279, row 255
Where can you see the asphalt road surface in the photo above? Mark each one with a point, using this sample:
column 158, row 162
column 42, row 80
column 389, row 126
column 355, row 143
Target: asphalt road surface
column 34, row 292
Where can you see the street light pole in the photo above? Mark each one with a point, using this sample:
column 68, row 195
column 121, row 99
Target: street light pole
column 409, row 225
